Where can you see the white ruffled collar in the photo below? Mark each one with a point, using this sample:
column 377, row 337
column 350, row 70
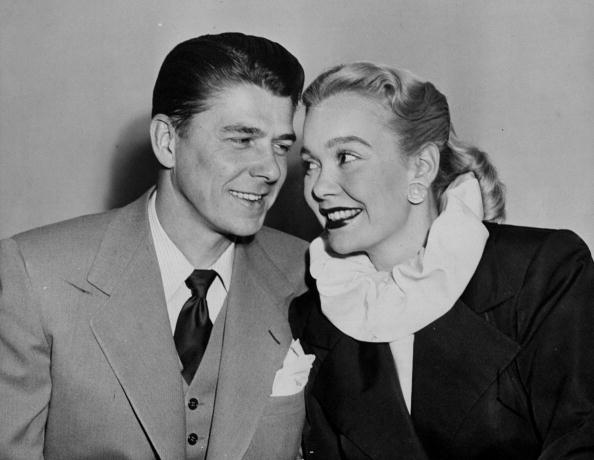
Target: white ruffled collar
column 375, row 306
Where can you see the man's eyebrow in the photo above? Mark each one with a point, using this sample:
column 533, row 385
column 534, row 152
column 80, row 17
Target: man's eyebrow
column 242, row 129
column 257, row 132
column 345, row 140
column 287, row 137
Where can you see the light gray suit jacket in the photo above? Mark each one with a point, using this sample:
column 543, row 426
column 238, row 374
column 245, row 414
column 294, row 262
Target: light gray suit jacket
column 88, row 366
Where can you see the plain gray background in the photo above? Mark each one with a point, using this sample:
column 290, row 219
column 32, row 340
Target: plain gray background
column 76, row 78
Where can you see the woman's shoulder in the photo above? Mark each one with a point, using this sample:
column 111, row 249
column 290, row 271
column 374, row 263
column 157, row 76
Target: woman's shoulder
column 517, row 246
column 527, row 273
column 302, row 307
column 521, row 259
column 309, row 323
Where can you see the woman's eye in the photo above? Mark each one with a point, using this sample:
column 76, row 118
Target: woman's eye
column 309, row 165
column 345, row 157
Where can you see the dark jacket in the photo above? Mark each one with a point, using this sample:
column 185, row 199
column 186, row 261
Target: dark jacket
column 507, row 373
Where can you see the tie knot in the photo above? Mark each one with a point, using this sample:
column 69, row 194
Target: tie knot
column 199, row 281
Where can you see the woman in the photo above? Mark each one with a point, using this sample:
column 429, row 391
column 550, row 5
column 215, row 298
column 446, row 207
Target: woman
column 438, row 333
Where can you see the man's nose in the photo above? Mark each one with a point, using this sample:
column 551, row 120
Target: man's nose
column 269, row 165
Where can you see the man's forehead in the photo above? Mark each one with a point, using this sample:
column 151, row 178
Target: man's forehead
column 245, row 90
column 250, row 109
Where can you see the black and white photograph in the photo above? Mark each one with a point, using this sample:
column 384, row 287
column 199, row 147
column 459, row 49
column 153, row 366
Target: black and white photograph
column 288, row 230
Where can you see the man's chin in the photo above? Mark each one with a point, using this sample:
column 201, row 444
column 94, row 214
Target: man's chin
column 245, row 229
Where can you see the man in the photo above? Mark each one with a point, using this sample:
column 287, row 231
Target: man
column 100, row 315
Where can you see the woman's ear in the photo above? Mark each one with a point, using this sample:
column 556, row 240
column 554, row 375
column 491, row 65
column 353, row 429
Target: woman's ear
column 423, row 168
column 426, row 164
column 163, row 140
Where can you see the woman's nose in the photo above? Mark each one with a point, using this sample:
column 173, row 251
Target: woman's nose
column 324, row 186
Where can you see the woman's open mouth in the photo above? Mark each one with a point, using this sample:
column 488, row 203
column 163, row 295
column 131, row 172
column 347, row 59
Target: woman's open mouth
column 339, row 217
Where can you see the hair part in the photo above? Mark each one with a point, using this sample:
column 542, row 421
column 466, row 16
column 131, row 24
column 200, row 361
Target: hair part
column 420, row 116
column 196, row 70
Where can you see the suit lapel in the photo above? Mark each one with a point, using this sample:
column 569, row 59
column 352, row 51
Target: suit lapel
column 256, row 339
column 492, row 282
column 132, row 328
column 362, row 397
column 456, row 358
column 357, row 385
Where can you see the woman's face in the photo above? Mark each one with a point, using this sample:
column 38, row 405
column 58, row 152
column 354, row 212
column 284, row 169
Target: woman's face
column 356, row 177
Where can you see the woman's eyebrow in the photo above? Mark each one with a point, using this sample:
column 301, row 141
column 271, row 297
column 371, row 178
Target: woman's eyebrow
column 345, row 140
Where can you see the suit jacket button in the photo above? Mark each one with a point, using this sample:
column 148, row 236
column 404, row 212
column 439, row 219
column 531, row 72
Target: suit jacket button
column 192, row 439
column 193, row 403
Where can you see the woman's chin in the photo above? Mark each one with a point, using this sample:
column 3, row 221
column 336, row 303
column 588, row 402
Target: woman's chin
column 340, row 245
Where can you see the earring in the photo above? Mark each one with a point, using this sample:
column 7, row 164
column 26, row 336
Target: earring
column 417, row 193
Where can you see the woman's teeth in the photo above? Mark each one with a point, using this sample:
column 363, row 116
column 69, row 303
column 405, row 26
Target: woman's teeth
column 343, row 214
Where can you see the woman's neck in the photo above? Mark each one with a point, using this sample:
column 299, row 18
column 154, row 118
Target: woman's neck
column 407, row 241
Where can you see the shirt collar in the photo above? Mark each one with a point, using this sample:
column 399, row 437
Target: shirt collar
column 173, row 265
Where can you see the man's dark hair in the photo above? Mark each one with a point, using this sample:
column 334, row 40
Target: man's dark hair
column 197, row 69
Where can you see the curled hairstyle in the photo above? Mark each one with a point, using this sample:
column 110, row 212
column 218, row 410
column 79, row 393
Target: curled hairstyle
column 198, row 69
column 420, row 116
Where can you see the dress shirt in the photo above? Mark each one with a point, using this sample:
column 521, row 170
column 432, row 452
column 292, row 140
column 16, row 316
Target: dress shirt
column 175, row 268
column 402, row 351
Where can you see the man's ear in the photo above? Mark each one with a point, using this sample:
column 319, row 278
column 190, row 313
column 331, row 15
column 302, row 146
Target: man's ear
column 425, row 165
column 163, row 140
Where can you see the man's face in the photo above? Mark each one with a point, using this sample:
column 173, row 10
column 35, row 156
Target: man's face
column 232, row 161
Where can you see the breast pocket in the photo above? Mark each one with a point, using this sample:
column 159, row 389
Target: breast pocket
column 278, row 434
column 285, row 405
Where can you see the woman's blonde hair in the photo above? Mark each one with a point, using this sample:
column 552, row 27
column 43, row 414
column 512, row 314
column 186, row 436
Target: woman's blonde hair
column 421, row 116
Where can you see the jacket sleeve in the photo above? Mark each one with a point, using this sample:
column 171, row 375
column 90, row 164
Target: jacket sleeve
column 25, row 383
column 320, row 441
column 556, row 321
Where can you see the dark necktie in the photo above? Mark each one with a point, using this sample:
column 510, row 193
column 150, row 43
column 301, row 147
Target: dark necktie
column 193, row 326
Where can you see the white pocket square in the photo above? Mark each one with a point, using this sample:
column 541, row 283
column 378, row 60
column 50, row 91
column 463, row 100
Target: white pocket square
column 292, row 377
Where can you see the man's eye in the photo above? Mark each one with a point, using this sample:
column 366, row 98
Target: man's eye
column 345, row 157
column 241, row 141
column 282, row 149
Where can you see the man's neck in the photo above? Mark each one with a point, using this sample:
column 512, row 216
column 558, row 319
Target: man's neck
column 201, row 246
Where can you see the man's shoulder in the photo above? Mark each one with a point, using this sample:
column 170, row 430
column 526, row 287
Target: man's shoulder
column 281, row 247
column 287, row 252
column 65, row 247
column 272, row 238
column 75, row 242
column 79, row 233
column 68, row 234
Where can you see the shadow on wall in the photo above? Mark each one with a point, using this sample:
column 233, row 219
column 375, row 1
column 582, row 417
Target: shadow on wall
column 290, row 212
column 135, row 168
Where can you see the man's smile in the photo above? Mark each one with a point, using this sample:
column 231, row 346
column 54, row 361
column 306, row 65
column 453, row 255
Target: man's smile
column 252, row 197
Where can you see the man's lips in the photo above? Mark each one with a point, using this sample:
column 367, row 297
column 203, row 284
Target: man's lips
column 339, row 216
column 248, row 196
